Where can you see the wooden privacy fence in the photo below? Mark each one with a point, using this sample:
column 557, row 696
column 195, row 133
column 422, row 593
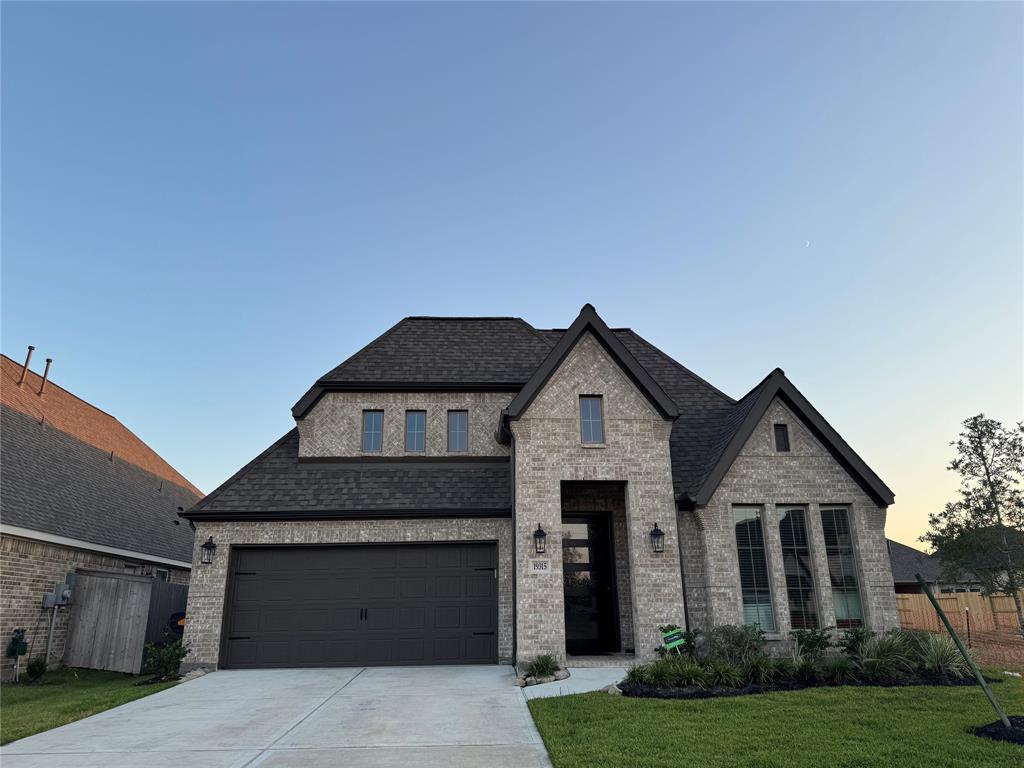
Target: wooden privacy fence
column 987, row 613
column 113, row 616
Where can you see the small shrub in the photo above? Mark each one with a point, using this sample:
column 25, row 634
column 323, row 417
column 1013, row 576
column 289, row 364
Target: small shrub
column 36, row 668
column 724, row 674
column 759, row 669
column 802, row 668
column 883, row 656
column 670, row 672
column 735, row 642
column 839, row 670
column 812, row 642
column 785, row 669
column 163, row 660
column 938, row 655
column 851, row 640
column 543, row 666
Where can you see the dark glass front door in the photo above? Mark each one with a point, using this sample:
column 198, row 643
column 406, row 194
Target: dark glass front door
column 591, row 619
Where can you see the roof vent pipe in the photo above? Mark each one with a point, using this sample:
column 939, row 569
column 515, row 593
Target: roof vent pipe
column 24, row 368
column 46, row 373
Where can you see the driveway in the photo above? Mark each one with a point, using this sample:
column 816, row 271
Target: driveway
column 376, row 716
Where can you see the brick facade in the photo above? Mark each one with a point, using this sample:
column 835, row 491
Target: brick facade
column 29, row 569
column 806, row 476
column 333, row 427
column 209, row 582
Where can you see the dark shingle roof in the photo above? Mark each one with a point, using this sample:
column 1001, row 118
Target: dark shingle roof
column 55, row 483
column 277, row 483
column 906, row 561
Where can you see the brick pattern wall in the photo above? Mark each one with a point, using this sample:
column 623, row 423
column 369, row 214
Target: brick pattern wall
column 28, row 569
column 548, row 451
column 209, row 582
column 334, row 425
column 806, row 476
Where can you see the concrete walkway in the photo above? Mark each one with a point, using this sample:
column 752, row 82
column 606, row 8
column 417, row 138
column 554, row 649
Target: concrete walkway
column 580, row 680
column 442, row 717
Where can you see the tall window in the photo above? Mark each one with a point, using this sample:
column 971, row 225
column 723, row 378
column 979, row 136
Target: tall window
column 757, row 596
column 835, row 523
column 373, row 431
column 781, row 438
column 796, row 557
column 415, row 430
column 458, row 431
column 591, row 419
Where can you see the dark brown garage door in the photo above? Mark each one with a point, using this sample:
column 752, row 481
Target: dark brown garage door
column 362, row 605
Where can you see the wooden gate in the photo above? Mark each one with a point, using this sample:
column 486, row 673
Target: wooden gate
column 113, row 616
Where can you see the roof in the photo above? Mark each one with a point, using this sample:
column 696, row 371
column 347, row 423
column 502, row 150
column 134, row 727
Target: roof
column 279, row 485
column 907, row 561
column 57, row 484
column 68, row 413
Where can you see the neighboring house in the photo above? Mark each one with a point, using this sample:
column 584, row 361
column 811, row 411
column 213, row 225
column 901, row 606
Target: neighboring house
column 480, row 490
column 907, row 562
column 77, row 490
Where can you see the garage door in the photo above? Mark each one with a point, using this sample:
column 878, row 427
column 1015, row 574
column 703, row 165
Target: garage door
column 362, row 605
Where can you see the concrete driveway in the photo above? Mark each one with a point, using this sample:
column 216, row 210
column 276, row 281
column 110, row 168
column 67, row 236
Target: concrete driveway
column 375, row 716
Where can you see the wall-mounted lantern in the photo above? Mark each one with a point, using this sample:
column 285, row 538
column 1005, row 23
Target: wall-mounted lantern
column 208, row 548
column 540, row 540
column 657, row 539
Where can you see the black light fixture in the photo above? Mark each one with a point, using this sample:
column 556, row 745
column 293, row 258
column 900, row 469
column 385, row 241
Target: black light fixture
column 540, row 540
column 657, row 539
column 208, row 549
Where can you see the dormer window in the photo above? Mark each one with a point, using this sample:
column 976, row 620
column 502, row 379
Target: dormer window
column 591, row 419
column 782, row 438
column 415, row 431
column 373, row 431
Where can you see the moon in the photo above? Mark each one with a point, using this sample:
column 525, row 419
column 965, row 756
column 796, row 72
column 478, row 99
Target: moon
column 807, row 243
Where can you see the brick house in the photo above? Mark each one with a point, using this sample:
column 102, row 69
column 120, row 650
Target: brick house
column 77, row 490
column 480, row 490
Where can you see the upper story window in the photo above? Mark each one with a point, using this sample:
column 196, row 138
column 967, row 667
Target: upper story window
column 373, row 431
column 415, row 431
column 781, row 438
column 458, row 431
column 842, row 570
column 591, row 419
column 750, row 549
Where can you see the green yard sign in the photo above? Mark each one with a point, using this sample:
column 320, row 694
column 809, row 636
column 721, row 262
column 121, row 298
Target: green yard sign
column 673, row 639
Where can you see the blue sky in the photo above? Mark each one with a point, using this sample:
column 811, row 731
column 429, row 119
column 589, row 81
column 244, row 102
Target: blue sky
column 206, row 206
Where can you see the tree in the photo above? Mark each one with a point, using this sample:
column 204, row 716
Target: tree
column 981, row 534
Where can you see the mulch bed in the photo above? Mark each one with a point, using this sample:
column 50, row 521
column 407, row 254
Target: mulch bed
column 999, row 732
column 651, row 692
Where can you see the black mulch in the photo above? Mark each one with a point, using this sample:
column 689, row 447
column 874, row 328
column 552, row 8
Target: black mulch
column 999, row 732
column 651, row 692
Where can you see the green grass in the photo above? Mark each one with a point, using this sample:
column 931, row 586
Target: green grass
column 62, row 696
column 913, row 727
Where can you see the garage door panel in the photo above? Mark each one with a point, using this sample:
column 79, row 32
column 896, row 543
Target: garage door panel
column 359, row 605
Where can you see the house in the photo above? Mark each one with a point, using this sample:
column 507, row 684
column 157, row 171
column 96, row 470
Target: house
column 907, row 562
column 479, row 490
column 77, row 490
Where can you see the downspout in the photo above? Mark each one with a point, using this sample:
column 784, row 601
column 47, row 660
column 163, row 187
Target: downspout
column 682, row 570
column 515, row 554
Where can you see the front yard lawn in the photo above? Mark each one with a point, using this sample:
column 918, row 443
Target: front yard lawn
column 912, row 727
column 64, row 695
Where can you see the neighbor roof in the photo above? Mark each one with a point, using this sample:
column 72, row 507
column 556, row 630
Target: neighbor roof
column 278, row 485
column 907, row 561
column 84, row 421
column 57, row 484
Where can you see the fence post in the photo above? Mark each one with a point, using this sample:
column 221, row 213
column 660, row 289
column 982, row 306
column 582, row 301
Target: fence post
column 967, row 610
column 967, row 657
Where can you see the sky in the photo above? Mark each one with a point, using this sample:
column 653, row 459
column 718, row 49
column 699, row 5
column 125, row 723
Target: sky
column 207, row 206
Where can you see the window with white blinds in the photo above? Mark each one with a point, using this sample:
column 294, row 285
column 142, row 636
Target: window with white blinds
column 757, row 595
column 835, row 523
column 796, row 558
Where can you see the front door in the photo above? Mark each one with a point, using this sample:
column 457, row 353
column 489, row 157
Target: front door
column 588, row 576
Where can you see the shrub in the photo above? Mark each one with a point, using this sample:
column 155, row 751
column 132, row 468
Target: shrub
column 812, row 642
column 543, row 666
column 163, row 660
column 759, row 669
column 883, row 656
column 938, row 655
column 735, row 642
column 802, row 668
column 853, row 638
column 669, row 672
column 839, row 670
column 36, row 668
column 724, row 674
